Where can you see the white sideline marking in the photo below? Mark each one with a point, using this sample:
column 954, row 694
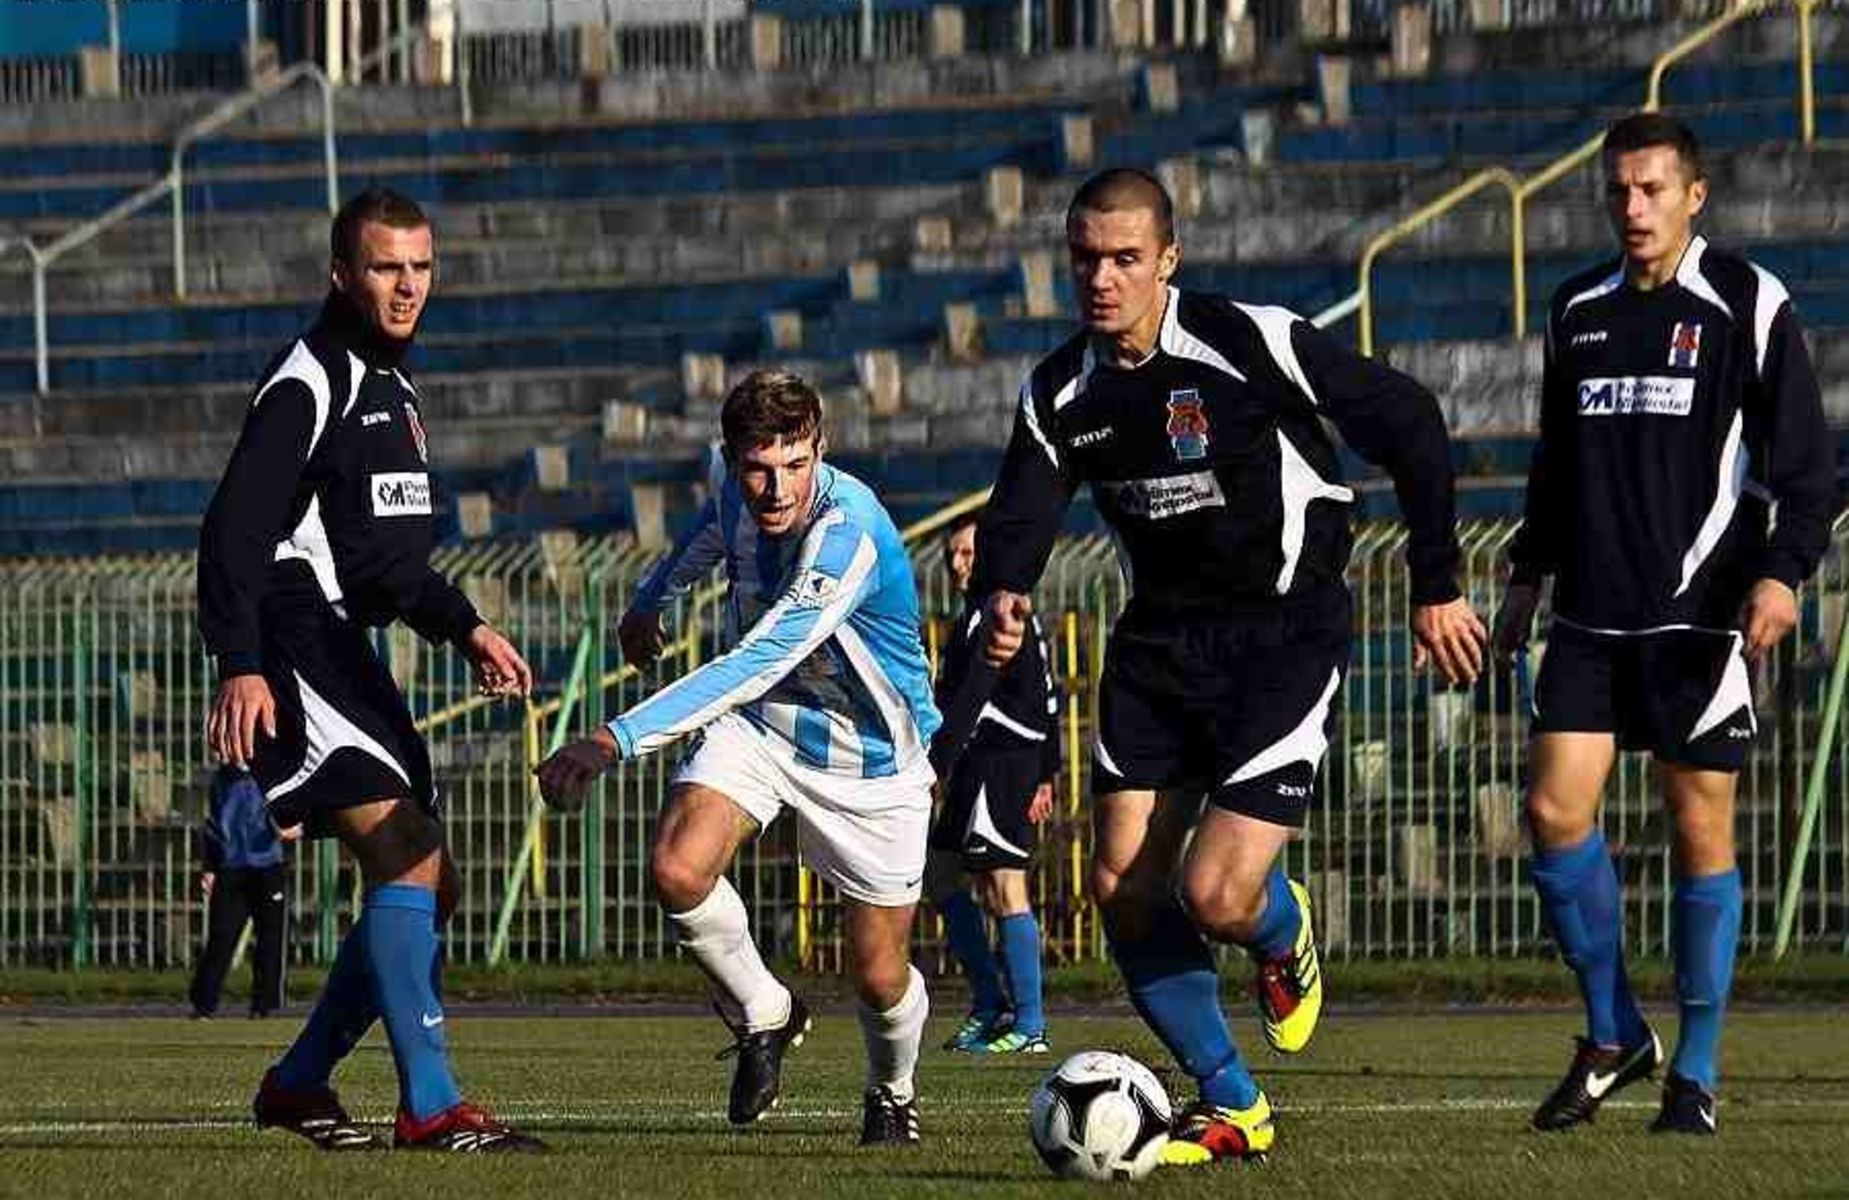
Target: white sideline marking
column 561, row 1116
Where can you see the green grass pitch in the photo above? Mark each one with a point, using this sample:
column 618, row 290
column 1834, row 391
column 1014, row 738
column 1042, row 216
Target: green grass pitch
column 1383, row 1105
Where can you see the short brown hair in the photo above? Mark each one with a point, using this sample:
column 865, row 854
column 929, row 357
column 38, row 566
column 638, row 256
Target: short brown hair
column 377, row 206
column 1125, row 189
column 769, row 408
column 1642, row 130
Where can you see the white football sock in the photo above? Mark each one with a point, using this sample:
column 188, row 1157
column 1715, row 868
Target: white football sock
column 717, row 932
column 892, row 1038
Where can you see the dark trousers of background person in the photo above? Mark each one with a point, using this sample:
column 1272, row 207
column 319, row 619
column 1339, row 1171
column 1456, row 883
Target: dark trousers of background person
column 258, row 896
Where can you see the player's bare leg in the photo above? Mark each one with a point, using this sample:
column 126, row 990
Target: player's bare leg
column 698, row 836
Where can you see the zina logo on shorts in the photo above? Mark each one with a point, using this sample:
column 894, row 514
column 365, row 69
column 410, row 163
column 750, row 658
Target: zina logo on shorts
column 400, row 494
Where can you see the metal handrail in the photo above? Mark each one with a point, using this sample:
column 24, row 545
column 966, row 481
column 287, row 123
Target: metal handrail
column 1493, row 177
column 173, row 184
column 1524, row 188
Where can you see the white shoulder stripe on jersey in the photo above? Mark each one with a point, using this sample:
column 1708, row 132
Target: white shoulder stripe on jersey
column 1274, row 325
column 1032, row 418
column 356, row 375
column 1176, row 340
column 1735, row 462
column 1603, row 287
column 303, row 366
column 1299, row 484
column 1688, row 274
column 1772, row 297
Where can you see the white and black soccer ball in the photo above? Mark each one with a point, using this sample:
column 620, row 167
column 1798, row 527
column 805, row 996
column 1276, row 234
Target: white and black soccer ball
column 1100, row 1116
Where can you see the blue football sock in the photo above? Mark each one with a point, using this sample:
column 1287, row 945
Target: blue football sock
column 1276, row 935
column 1172, row 982
column 1579, row 892
column 400, row 937
column 1706, row 936
column 1021, row 956
column 968, row 933
column 341, row 1018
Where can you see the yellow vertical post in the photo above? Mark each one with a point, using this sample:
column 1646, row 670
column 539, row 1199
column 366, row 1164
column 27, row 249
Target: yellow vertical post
column 1807, row 83
column 1518, row 259
column 538, row 880
column 805, row 897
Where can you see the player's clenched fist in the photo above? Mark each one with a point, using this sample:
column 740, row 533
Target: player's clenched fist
column 568, row 774
column 1005, row 615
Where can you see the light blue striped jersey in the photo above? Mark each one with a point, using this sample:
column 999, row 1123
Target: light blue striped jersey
column 830, row 660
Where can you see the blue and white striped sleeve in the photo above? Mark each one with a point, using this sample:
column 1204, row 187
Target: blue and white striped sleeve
column 685, row 565
column 837, row 568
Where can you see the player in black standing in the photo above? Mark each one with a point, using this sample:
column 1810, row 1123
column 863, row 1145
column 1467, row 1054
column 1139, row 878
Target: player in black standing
column 1678, row 408
column 321, row 530
column 1197, row 423
column 997, row 754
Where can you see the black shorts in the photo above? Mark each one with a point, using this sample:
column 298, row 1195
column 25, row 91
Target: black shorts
column 1684, row 695
column 344, row 735
column 984, row 814
column 1239, row 706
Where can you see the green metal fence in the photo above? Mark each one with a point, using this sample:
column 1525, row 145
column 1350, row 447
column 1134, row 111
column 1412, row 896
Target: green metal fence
column 1414, row 846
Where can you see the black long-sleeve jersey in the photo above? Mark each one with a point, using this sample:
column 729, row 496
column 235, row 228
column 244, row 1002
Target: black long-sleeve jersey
column 1210, row 463
column 1013, row 711
column 327, row 495
column 1671, row 421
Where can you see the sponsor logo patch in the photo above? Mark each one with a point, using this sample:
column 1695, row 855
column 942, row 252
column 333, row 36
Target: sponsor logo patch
column 1591, row 338
column 1641, row 395
column 1685, row 345
column 400, row 494
column 1187, row 425
column 1091, row 437
column 1159, row 499
column 383, row 417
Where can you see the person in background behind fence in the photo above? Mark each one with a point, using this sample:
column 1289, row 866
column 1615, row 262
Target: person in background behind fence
column 243, row 880
column 996, row 755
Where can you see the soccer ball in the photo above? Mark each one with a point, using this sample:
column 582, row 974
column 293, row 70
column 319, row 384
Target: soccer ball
column 1099, row 1116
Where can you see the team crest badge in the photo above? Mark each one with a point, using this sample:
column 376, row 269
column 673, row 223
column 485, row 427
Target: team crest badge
column 1685, row 345
column 1187, row 425
column 417, row 432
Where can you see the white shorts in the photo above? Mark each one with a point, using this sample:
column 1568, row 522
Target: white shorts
column 867, row 837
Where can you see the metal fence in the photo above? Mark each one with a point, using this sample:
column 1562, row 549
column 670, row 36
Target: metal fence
column 1414, row 846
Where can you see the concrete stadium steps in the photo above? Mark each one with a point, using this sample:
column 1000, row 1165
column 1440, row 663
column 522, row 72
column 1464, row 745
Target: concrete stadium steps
column 746, row 234
column 1447, row 299
column 538, row 328
column 1453, row 298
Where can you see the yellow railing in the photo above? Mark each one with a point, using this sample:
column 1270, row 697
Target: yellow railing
column 1521, row 190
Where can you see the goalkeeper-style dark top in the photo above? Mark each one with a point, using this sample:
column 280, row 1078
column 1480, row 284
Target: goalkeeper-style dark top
column 1672, row 422
column 326, row 499
column 1210, row 463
